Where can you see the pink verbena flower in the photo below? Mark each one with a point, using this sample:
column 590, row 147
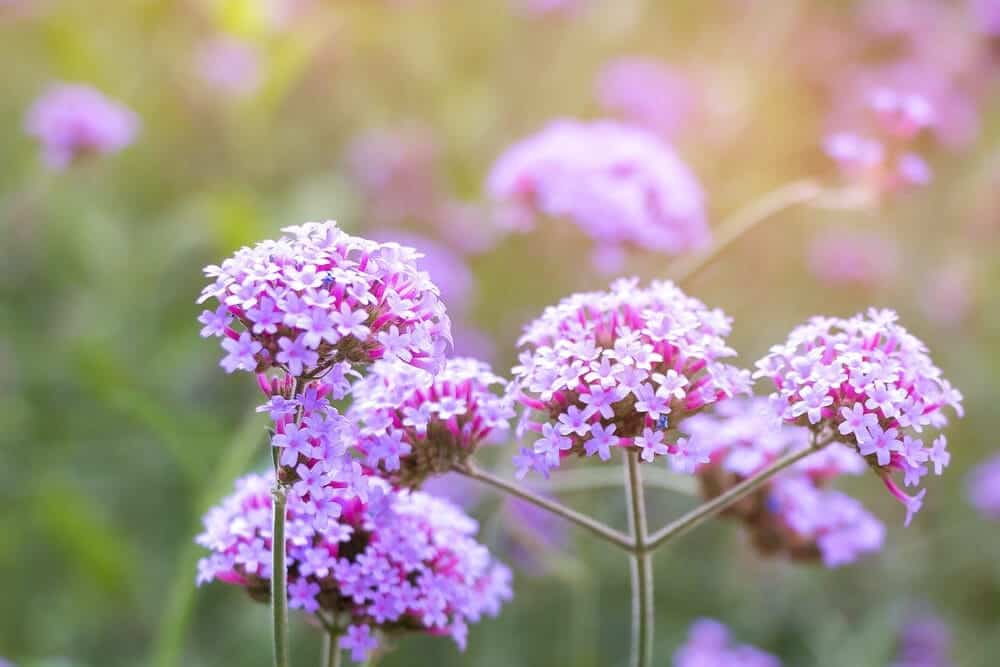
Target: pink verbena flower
column 413, row 425
column 414, row 567
column 622, row 368
column 621, row 185
column 709, row 644
column 839, row 257
column 983, row 488
column 867, row 382
column 793, row 514
column 924, row 641
column 649, row 94
column 229, row 65
column 73, row 121
column 317, row 297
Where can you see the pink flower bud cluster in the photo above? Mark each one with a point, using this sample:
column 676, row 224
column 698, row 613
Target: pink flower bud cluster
column 413, row 425
column 793, row 514
column 710, row 645
column 319, row 296
column 884, row 158
column 73, row 121
column 866, row 382
column 622, row 368
column 417, row 568
column 621, row 185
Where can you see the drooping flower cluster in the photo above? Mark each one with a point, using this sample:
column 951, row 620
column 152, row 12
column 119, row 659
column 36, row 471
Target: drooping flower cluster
column 648, row 93
column 413, row 425
column 319, row 296
column 793, row 514
column 886, row 160
column 709, row 645
column 73, row 121
column 872, row 385
column 416, row 568
column 621, row 185
column 984, row 488
column 622, row 368
column 839, row 257
column 925, row 641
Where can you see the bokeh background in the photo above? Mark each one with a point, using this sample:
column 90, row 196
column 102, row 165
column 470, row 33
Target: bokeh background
column 119, row 429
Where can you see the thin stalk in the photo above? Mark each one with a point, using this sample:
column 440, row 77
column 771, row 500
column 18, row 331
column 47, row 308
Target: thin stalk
column 704, row 512
column 331, row 650
column 741, row 222
column 641, row 566
column 279, row 577
column 597, row 528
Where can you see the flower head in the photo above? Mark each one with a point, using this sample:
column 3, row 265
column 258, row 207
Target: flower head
column 924, row 641
column 413, row 424
column 621, row 369
column 73, row 121
column 709, row 644
column 414, row 567
column 621, row 185
column 318, row 297
column 648, row 93
column 984, row 488
column 871, row 385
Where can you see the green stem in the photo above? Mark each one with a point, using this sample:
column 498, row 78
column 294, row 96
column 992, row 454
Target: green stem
column 641, row 566
column 704, row 512
column 597, row 528
column 331, row 650
column 279, row 577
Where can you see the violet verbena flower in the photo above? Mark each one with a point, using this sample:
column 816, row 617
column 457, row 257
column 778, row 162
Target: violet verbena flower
column 709, row 645
column 925, row 641
column 621, row 185
column 840, row 257
column 648, row 93
column 73, row 121
column 318, row 297
column 793, row 514
column 867, row 382
column 622, row 368
column 414, row 567
column 984, row 488
column 414, row 425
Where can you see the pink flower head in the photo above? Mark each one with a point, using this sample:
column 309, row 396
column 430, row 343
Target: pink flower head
column 416, row 568
column 879, row 391
column 229, row 65
column 73, row 121
column 984, row 488
column 839, row 257
column 318, row 297
column 621, row 185
column 649, row 94
column 622, row 368
column 413, row 424
column 709, row 644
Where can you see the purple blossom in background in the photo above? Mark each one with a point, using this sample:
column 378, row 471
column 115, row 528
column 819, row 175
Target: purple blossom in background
column 987, row 16
column 924, row 641
column 638, row 359
column 621, row 185
column 649, row 94
column 415, row 568
column 73, row 121
column 466, row 226
column 947, row 297
column 984, row 488
column 866, row 368
column 447, row 269
column 414, row 425
column 318, row 297
column 709, row 645
column 396, row 173
column 841, row 257
column 535, row 535
column 229, row 65
column 473, row 342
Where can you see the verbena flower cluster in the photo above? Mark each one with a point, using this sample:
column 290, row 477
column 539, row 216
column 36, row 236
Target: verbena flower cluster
column 317, row 297
column 925, row 641
column 73, row 121
column 649, row 94
column 793, row 514
column 413, row 425
column 984, row 488
column 414, row 568
column 709, row 645
column 622, row 368
column 872, row 385
column 621, row 185
column 884, row 157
